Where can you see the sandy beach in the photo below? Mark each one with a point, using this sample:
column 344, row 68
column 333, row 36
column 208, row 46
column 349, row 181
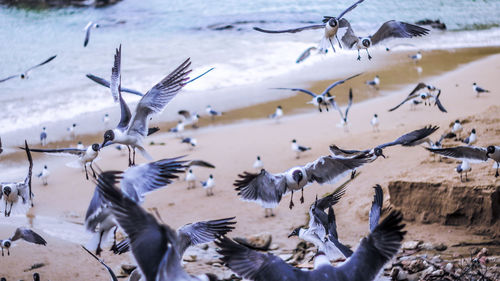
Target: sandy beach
column 232, row 147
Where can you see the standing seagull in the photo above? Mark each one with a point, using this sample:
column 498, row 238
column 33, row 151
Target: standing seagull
column 463, row 167
column 191, row 179
column 375, row 123
column 457, row 128
column 209, row 185
column 86, row 155
column 470, row 140
column 192, row 142
column 321, row 99
column 416, row 57
column 131, row 131
column 278, row 113
column 71, row 130
column 374, row 83
column 26, row 234
column 330, row 25
column 156, row 247
column 210, row 111
column 390, row 29
column 44, row 175
column 298, row 148
column 267, row 189
column 373, row 252
column 43, row 137
column 25, row 74
column 476, row 88
column 17, row 193
column 87, row 29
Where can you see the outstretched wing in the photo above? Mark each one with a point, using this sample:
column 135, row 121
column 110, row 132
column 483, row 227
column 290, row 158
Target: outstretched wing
column 298, row 90
column 116, row 78
column 333, row 235
column 200, row 163
column 8, row 78
column 203, row 232
column 439, row 104
column 376, row 209
column 28, row 235
column 349, row 38
column 468, row 153
column 293, row 30
column 27, row 181
column 349, row 104
column 263, row 188
column 410, row 97
column 338, row 83
column 40, row 64
column 349, row 9
column 105, row 83
column 110, row 271
column 328, row 169
column 397, row 29
column 412, row 138
column 70, row 151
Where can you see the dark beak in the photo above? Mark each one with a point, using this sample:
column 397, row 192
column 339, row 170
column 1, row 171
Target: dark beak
column 291, row 234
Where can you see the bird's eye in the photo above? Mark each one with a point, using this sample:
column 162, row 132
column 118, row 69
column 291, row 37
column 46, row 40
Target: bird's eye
column 333, row 22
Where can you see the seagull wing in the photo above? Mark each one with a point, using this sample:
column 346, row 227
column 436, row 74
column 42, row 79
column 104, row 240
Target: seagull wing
column 142, row 179
column 40, row 64
column 349, row 104
column 438, row 102
column 156, row 99
column 28, row 235
column 147, row 237
column 200, row 163
column 328, row 169
column 318, row 219
column 375, row 211
column 184, row 113
column 106, row 84
column 68, row 151
column 298, row 90
column 349, row 9
column 97, row 211
column 349, row 38
column 419, row 86
column 116, row 78
column 333, row 235
column 111, row 273
column 412, row 138
column 305, row 54
column 203, row 232
column 28, row 179
column 410, row 97
column 253, row 265
column 8, row 78
column 264, row 188
column 468, row 153
column 339, row 152
column 338, row 83
column 293, row 30
column 397, row 29
column 334, row 105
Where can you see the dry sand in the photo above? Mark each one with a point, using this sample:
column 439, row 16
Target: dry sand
column 233, row 148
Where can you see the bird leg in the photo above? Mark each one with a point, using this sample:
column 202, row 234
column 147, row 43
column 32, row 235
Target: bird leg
column 86, row 174
column 466, row 177
column 461, row 178
column 302, row 197
column 359, row 56
column 129, row 159
column 265, row 213
column 133, row 161
column 99, row 250
column 340, row 45
column 497, row 174
column 2, row 252
column 319, row 108
column 114, row 238
column 331, row 43
column 93, row 172
column 369, row 57
column 291, row 201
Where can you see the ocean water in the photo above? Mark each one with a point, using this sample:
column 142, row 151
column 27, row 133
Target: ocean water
column 157, row 35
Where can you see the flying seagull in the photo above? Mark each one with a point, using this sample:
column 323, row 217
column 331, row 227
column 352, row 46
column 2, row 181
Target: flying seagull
column 424, row 96
column 85, row 156
column 17, row 193
column 26, row 234
column 343, row 115
column 155, row 246
column 473, row 154
column 373, row 252
column 330, row 25
column 321, row 99
column 131, row 131
column 267, row 189
column 189, row 118
column 25, row 74
column 87, row 29
column 307, row 53
column 390, row 29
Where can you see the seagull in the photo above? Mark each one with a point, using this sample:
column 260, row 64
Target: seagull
column 105, row 120
column 330, row 25
column 457, row 128
column 87, row 29
column 178, row 129
column 298, row 148
column 156, row 247
column 471, row 154
column 267, row 189
column 44, row 174
column 25, row 74
column 210, row 111
column 208, row 185
column 17, row 193
column 470, row 140
column 71, row 131
column 307, row 53
column 373, row 252
column 131, row 131
column 317, row 232
column 374, row 83
column 86, row 155
column 80, row 145
column 26, row 234
column 463, row 167
column 36, row 276
column 1, row 147
column 258, row 165
column 43, row 137
column 375, row 123
column 423, row 96
column 390, row 29
column 343, row 116
column 189, row 118
column 416, row 57
column 135, row 183
column 278, row 113
column 191, row 179
column 476, row 89
column 192, row 142
column 321, row 99
column 412, row 138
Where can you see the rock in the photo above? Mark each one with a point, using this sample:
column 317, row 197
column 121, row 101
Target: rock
column 274, row 247
column 260, row 241
column 128, row 268
column 438, row 272
column 436, row 259
column 411, row 245
column 428, row 270
column 190, row 258
column 417, row 266
column 440, row 247
column 427, row 246
column 448, row 267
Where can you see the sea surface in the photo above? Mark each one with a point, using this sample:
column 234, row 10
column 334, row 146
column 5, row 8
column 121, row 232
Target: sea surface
column 157, row 35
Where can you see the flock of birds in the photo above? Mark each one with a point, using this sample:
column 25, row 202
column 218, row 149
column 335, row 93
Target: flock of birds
column 158, row 249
